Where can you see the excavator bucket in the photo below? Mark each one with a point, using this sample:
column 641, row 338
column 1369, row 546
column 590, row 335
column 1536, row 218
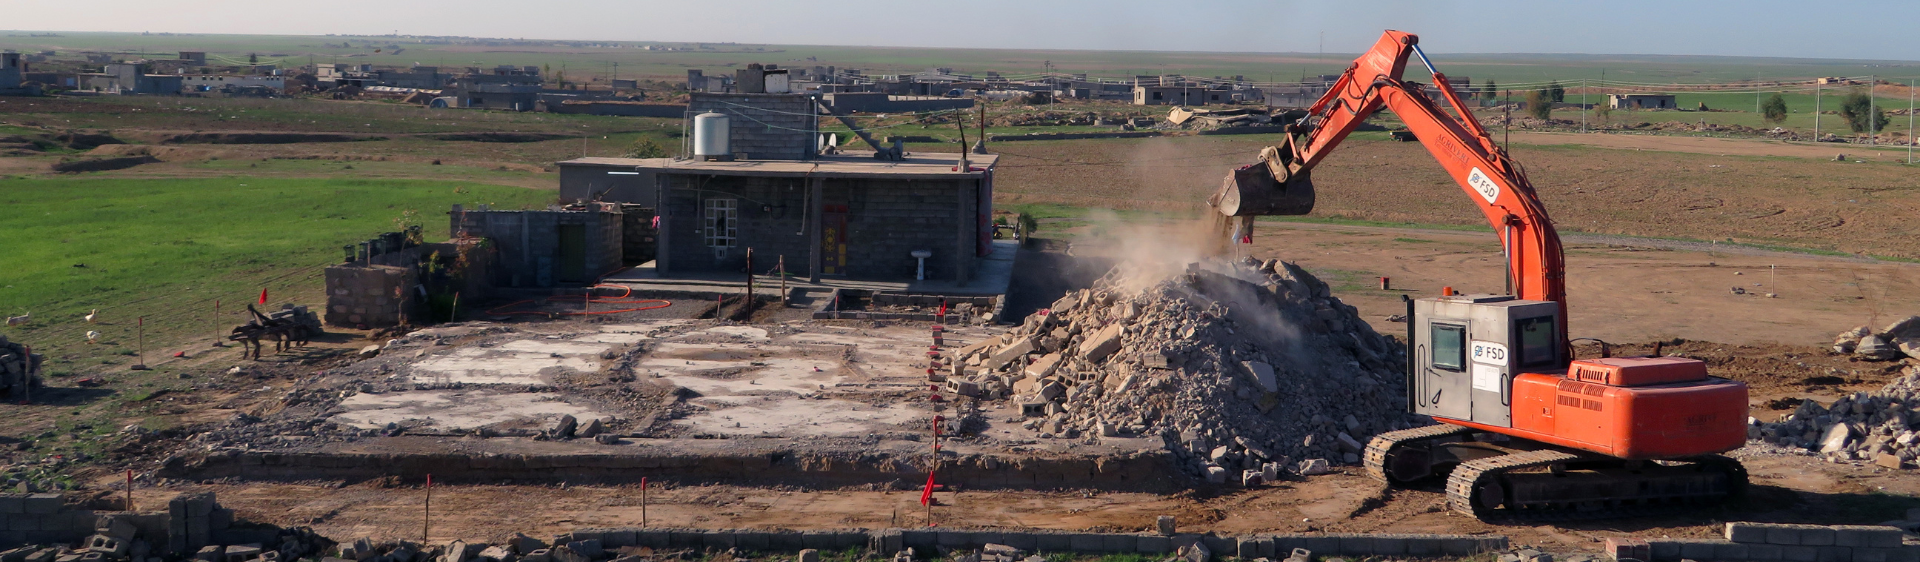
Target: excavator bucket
column 1252, row 191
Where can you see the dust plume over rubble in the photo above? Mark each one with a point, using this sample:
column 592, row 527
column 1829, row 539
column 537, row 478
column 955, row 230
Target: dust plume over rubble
column 1241, row 368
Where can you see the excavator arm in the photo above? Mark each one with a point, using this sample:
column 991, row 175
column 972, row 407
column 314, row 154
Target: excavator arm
column 1535, row 264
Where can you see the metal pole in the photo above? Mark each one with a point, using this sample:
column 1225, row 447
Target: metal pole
column 129, row 490
column 783, row 279
column 1583, row 105
column 427, row 513
column 1910, row 120
column 749, row 304
column 216, row 325
column 140, row 331
column 1816, row 110
column 1872, row 119
column 643, row 501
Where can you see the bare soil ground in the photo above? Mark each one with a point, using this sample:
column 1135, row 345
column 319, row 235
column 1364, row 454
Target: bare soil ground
column 1799, row 202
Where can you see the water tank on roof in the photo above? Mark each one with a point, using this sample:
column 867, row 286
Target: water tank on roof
column 710, row 137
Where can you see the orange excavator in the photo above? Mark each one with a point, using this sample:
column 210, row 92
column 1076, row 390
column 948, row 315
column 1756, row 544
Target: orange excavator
column 1527, row 431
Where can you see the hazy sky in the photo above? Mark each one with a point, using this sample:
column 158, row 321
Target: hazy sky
column 1853, row 29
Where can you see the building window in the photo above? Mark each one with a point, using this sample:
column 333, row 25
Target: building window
column 1156, row 95
column 720, row 224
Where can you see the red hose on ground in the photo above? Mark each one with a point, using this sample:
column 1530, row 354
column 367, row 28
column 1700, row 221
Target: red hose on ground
column 588, row 299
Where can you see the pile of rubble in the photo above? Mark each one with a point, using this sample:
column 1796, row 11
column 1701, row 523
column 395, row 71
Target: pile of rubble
column 1899, row 339
column 1243, row 366
column 1882, row 427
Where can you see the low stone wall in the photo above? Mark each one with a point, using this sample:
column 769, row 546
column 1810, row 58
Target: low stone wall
column 1146, row 470
column 1769, row 542
column 889, row 541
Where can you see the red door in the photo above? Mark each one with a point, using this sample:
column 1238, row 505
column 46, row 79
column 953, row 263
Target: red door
column 833, row 240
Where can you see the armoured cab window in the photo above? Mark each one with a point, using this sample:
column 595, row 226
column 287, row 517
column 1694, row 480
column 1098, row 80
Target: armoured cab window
column 1536, row 340
column 1449, row 347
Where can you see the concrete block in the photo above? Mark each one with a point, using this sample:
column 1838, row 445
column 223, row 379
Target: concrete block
column 653, row 538
column 1667, row 550
column 1697, row 549
column 1423, row 546
column 1150, row 544
column 1834, row 554
column 1459, row 546
column 13, row 503
column 1053, row 542
column 1116, row 542
column 809, row 555
column 824, row 540
column 1355, row 545
column 1816, row 535
column 686, row 538
column 787, row 540
column 1625, row 548
column 1390, row 545
column 43, row 504
column 1166, row 525
column 1868, row 554
column 1322, row 545
column 1868, row 536
column 1730, row 551
column 750, row 540
column 887, row 541
column 917, row 539
column 1492, row 543
column 1220, row 546
column 717, row 538
column 1021, row 540
column 621, row 537
column 1085, row 542
column 210, row 553
column 849, row 539
column 1784, row 535
column 1746, row 532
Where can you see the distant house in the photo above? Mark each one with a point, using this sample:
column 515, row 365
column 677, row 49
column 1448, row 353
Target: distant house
column 1641, row 101
column 1180, row 95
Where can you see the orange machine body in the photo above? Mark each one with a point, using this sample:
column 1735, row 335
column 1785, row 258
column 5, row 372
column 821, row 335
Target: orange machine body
column 1671, row 409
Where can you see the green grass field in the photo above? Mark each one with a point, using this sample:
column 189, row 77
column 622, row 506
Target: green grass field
column 166, row 248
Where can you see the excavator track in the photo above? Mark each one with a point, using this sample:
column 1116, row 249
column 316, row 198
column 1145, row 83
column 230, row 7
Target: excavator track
column 1578, row 486
column 1383, row 446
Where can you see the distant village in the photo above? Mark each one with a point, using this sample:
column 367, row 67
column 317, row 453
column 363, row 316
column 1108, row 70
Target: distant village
column 527, row 88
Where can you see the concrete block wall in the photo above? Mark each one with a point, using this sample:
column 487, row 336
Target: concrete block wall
column 40, row 519
column 361, row 294
column 771, row 220
column 764, row 126
column 886, row 221
column 1771, row 542
column 889, row 541
column 527, row 243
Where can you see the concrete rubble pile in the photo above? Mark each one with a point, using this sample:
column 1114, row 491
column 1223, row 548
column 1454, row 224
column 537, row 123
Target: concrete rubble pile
column 1897, row 340
column 1881, row 427
column 19, row 369
column 1243, row 369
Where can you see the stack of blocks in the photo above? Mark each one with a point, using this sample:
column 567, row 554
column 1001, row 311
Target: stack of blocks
column 41, row 518
column 1769, row 542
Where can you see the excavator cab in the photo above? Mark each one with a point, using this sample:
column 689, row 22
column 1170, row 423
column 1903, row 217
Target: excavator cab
column 1467, row 349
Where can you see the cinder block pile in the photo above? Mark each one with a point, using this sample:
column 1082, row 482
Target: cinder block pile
column 43, row 528
column 1881, row 427
column 1770, row 542
column 1241, row 368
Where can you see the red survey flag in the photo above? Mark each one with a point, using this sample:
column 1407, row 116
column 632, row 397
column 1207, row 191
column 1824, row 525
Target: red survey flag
column 926, row 496
column 263, row 295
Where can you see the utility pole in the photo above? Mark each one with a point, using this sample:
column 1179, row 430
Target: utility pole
column 1816, row 110
column 1583, row 105
column 1916, row 83
column 1872, row 119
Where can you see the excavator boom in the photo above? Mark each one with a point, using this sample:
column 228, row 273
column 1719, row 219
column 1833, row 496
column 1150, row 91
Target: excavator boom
column 1535, row 266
